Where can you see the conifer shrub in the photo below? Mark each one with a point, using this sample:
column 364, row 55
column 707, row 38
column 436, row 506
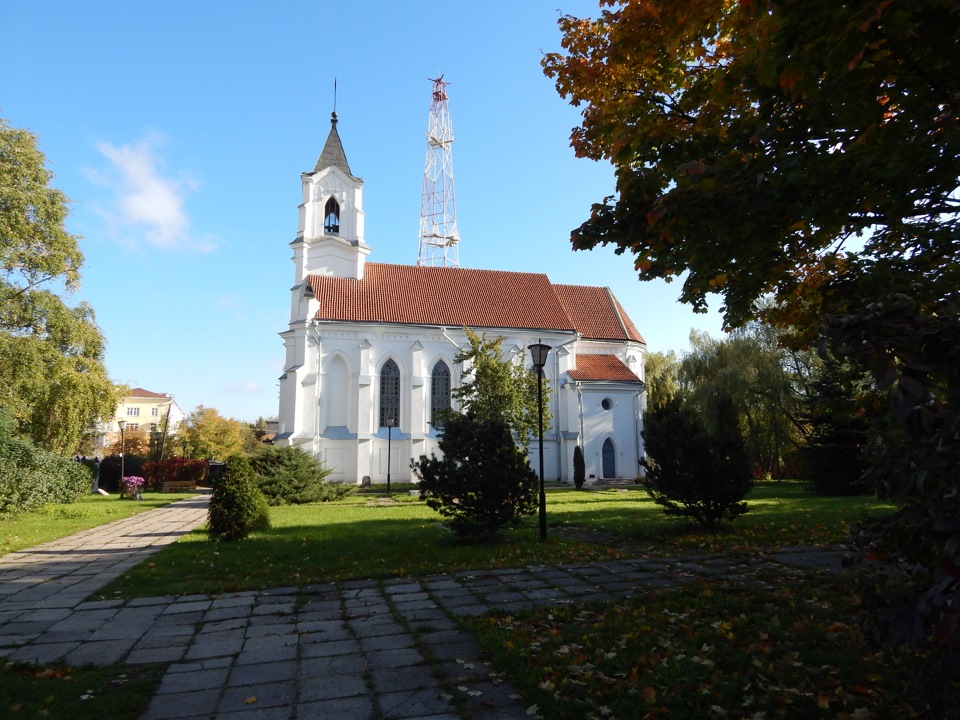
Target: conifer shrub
column 579, row 468
column 693, row 473
column 290, row 476
column 237, row 507
column 482, row 482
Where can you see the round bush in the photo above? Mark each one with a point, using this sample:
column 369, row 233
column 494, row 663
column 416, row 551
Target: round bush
column 237, row 507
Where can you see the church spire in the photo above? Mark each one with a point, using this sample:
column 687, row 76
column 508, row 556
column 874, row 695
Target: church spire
column 333, row 154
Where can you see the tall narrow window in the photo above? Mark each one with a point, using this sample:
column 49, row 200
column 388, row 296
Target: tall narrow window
column 389, row 393
column 331, row 217
column 439, row 393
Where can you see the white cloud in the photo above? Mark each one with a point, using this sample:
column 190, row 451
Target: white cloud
column 246, row 387
column 147, row 205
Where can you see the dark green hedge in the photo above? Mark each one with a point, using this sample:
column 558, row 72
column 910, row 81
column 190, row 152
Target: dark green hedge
column 31, row 477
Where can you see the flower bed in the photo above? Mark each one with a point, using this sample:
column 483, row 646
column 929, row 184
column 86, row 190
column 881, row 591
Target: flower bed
column 132, row 487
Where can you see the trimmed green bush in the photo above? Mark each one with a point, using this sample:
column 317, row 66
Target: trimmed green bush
column 482, row 482
column 31, row 477
column 237, row 507
column 290, row 476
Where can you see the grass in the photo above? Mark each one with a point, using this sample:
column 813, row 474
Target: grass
column 56, row 521
column 360, row 536
column 86, row 693
column 781, row 514
column 379, row 536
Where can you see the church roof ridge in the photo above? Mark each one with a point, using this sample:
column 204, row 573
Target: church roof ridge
column 469, row 297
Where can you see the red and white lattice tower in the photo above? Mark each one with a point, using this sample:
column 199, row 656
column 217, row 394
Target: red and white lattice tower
column 439, row 238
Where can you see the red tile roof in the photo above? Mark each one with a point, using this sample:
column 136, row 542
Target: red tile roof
column 460, row 297
column 420, row 295
column 596, row 313
column 141, row 393
column 602, row 367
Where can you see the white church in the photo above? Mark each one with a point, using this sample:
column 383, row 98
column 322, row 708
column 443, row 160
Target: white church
column 370, row 348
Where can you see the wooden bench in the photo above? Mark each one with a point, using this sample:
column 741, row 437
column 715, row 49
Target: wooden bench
column 178, row 486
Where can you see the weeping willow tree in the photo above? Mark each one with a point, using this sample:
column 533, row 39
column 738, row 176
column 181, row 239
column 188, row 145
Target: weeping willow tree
column 662, row 374
column 749, row 370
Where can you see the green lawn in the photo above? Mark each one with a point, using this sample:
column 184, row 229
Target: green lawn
column 360, row 536
column 56, row 521
column 374, row 536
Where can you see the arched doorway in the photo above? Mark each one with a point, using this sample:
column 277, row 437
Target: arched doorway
column 608, row 455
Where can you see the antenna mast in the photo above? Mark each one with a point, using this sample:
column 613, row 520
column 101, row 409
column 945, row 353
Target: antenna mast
column 439, row 238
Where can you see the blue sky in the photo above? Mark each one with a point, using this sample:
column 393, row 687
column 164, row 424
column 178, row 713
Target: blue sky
column 179, row 130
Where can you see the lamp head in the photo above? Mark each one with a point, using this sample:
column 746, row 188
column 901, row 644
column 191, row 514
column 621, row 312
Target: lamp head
column 122, row 424
column 538, row 353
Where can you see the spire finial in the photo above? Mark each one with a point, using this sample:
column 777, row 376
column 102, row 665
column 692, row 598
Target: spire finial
column 333, row 115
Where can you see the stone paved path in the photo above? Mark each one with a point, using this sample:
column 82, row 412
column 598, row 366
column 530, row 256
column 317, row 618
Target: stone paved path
column 358, row 650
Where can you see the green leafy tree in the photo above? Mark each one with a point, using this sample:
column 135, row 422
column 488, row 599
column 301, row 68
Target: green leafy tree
column 496, row 388
column 210, row 435
column 52, row 377
column 483, row 481
column 810, row 151
column 694, row 472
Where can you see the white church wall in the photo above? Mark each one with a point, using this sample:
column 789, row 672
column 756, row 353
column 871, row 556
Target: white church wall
column 610, row 412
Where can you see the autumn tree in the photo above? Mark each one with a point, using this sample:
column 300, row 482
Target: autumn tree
column 52, row 377
column 134, row 442
column 211, row 436
column 494, row 387
column 809, row 151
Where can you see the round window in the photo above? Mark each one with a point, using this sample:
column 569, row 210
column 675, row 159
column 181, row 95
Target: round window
column 606, row 404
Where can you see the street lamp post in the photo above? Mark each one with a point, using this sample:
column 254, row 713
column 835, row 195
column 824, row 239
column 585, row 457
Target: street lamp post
column 122, row 425
column 390, row 423
column 538, row 353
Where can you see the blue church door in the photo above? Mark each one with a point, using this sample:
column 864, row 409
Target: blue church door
column 608, row 454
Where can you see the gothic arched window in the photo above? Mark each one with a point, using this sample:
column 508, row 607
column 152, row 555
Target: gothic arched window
column 331, row 217
column 439, row 392
column 389, row 393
